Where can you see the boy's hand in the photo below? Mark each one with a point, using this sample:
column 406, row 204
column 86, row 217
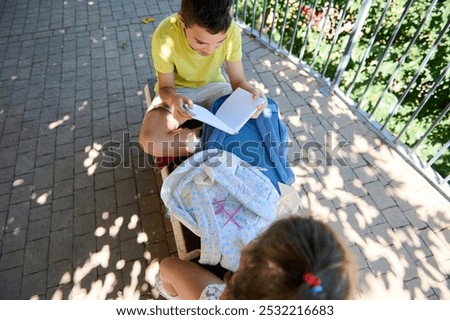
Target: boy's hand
column 258, row 93
column 178, row 111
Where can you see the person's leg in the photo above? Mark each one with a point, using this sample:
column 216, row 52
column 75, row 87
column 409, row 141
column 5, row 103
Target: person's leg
column 211, row 92
column 161, row 137
column 160, row 134
column 185, row 278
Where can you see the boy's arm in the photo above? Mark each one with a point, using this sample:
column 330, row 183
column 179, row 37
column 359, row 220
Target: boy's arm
column 235, row 72
column 167, row 93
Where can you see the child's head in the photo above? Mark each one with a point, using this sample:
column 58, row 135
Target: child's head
column 289, row 259
column 212, row 15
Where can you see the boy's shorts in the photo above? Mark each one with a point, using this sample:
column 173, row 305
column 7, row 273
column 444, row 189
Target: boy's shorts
column 203, row 96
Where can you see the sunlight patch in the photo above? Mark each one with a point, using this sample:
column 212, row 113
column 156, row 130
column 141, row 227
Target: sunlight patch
column 18, row 182
column 120, row 264
column 100, row 231
column 142, row 237
column 114, row 230
column 58, row 123
column 133, row 222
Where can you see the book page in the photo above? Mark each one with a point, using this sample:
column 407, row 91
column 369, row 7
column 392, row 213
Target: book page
column 235, row 111
column 238, row 108
column 204, row 115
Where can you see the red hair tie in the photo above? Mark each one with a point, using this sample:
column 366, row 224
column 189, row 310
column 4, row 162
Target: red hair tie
column 313, row 281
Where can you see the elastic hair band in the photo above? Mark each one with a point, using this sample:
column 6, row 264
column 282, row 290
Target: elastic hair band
column 313, row 282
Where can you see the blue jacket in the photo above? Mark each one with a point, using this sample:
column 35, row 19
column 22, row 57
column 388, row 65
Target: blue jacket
column 262, row 142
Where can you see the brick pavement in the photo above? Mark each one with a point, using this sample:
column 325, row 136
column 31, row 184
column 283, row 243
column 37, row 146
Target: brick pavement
column 80, row 214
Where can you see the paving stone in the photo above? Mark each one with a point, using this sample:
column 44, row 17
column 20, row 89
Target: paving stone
column 27, row 145
column 158, row 250
column 8, row 282
column 104, row 180
column 64, row 203
column 113, row 263
column 401, row 263
column 18, row 215
column 40, row 212
column 45, row 160
column 395, row 217
column 83, row 201
column 43, row 177
column 34, row 285
column 59, row 273
column 63, row 189
column 14, row 241
column 105, row 200
column 419, row 289
column 153, row 225
column 128, row 197
column 150, row 203
column 359, row 257
column 64, row 169
column 6, row 174
column 83, row 181
column 370, row 247
column 4, row 201
column 3, row 216
column 441, row 290
column 131, row 225
column 21, row 194
column 64, row 151
column 36, row 256
column 12, row 260
column 352, row 216
column 379, row 264
column 83, row 247
column 431, row 271
column 385, row 234
column 440, row 250
column 38, row 229
column 83, row 224
column 379, row 196
column 25, row 162
column 10, row 139
column 131, row 250
column 46, row 144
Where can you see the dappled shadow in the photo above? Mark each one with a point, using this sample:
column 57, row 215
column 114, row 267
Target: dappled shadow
column 119, row 256
column 74, row 228
column 73, row 225
column 392, row 219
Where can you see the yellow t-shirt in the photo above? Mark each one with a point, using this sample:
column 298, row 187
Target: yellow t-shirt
column 171, row 52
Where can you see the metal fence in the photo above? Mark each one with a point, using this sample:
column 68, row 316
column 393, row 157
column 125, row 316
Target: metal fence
column 388, row 60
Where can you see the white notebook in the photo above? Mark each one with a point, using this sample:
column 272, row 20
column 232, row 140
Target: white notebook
column 234, row 112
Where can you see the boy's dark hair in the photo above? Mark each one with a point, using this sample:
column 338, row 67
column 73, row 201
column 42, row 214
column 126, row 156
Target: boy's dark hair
column 212, row 15
column 275, row 265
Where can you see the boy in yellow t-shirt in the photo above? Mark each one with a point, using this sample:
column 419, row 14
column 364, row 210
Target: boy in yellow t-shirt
column 188, row 50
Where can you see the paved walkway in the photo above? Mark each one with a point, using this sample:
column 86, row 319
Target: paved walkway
column 80, row 214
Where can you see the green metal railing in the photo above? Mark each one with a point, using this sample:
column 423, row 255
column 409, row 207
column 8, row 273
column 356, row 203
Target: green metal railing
column 387, row 59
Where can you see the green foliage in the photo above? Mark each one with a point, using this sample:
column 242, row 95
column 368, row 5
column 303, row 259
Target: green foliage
column 272, row 15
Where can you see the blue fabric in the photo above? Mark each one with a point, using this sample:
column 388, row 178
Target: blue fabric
column 262, row 142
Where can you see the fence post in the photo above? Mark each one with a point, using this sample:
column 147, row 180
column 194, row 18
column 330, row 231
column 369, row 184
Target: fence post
column 360, row 20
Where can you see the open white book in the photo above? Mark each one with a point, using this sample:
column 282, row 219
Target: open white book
column 235, row 111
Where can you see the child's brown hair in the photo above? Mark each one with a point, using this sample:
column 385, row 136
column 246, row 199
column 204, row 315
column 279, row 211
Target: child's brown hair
column 212, row 15
column 295, row 258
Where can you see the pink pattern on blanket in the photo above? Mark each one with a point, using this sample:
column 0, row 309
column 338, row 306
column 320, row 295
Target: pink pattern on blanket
column 220, row 208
